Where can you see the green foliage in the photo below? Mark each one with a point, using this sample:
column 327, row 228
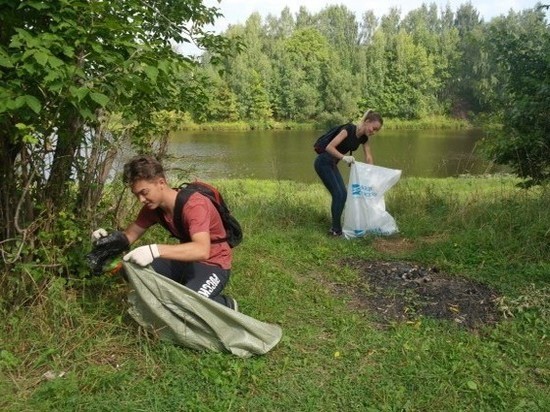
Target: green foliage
column 341, row 29
column 472, row 72
column 427, row 123
column 81, row 80
column 427, row 62
column 329, row 120
column 71, row 66
column 258, row 107
column 521, row 47
column 223, row 104
column 409, row 80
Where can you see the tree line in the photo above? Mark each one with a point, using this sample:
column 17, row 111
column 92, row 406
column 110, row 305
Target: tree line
column 83, row 80
column 305, row 66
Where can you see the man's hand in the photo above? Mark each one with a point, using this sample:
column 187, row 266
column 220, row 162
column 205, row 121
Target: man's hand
column 143, row 255
column 98, row 234
column 116, row 241
column 348, row 159
column 106, row 248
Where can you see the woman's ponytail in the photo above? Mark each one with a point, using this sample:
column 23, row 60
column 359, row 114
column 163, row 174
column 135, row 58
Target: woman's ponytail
column 372, row 116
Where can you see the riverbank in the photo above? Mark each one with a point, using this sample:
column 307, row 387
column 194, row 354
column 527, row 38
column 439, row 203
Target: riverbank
column 433, row 123
column 75, row 348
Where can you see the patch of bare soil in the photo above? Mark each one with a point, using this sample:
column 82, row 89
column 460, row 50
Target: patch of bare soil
column 405, row 291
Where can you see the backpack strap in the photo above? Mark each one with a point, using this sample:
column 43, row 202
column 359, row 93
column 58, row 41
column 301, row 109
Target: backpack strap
column 180, row 233
column 181, row 200
column 184, row 193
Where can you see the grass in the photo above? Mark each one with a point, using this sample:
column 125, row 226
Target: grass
column 428, row 122
column 249, row 125
column 332, row 356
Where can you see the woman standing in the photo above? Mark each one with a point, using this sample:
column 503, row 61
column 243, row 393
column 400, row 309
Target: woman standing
column 332, row 148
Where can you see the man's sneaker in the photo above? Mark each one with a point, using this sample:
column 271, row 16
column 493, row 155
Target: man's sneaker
column 232, row 303
column 334, row 233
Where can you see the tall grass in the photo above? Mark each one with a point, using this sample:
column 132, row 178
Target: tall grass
column 332, row 356
column 248, row 125
column 427, row 123
column 485, row 225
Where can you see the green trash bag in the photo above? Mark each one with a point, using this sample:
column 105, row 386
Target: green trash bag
column 177, row 314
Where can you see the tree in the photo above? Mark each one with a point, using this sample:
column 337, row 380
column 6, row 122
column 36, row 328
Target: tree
column 465, row 87
column 308, row 55
column 222, row 104
column 400, row 77
column 521, row 47
column 439, row 38
column 410, row 79
column 250, row 71
column 339, row 94
column 340, row 28
column 376, row 72
column 285, row 83
column 258, row 107
column 304, row 18
column 69, row 67
column 367, row 27
column 282, row 27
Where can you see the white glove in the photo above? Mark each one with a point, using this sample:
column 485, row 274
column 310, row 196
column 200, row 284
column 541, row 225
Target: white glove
column 98, row 234
column 348, row 159
column 143, row 255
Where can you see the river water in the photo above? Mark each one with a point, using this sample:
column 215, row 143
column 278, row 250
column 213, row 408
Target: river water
column 289, row 155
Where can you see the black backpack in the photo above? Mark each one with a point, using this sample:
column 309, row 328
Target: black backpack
column 230, row 223
column 322, row 142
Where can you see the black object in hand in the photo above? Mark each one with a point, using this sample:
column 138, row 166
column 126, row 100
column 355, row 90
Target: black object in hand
column 105, row 249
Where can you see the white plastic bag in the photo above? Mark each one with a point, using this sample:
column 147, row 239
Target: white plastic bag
column 365, row 210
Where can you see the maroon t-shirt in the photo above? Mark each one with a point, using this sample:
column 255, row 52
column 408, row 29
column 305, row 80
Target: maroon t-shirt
column 199, row 215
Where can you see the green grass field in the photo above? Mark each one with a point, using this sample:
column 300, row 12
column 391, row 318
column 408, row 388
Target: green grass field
column 74, row 348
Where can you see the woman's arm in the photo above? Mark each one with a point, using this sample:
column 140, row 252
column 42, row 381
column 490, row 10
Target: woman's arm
column 331, row 147
column 368, row 154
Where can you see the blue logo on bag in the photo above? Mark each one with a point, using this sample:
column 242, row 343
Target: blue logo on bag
column 358, row 190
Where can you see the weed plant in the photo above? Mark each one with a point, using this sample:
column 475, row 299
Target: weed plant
column 72, row 347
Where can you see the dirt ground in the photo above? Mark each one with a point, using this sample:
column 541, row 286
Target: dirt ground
column 397, row 291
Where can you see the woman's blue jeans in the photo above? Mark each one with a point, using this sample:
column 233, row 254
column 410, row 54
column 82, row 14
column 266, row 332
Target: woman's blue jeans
column 327, row 169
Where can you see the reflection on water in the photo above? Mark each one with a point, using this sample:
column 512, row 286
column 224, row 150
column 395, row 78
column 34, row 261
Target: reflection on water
column 289, row 155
